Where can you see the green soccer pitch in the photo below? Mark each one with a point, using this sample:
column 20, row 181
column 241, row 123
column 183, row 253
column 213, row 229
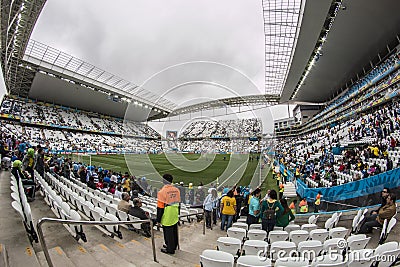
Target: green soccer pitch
column 147, row 165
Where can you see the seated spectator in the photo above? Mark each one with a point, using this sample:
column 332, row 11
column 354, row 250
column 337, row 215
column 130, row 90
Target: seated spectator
column 384, row 194
column 118, row 192
column 376, row 220
column 283, row 218
column 124, row 205
column 111, row 189
column 100, row 184
column 137, row 211
column 91, row 183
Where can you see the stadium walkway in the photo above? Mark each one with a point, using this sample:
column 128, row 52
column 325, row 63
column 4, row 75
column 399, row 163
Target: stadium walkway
column 100, row 250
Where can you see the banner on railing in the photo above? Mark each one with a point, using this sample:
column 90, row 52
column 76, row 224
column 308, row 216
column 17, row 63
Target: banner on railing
column 353, row 190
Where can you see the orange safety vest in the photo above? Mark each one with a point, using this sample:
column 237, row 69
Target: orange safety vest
column 292, row 208
column 168, row 198
column 318, row 199
column 303, row 206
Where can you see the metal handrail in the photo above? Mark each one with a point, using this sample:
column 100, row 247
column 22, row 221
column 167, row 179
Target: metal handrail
column 73, row 222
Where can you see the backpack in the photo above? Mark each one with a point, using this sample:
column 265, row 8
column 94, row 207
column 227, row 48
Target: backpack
column 269, row 214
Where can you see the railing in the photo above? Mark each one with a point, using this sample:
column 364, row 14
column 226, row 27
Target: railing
column 73, row 222
column 339, row 204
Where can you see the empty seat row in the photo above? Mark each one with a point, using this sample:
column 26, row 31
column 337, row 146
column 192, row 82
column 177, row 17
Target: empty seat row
column 21, row 205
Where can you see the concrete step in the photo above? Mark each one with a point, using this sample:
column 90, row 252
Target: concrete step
column 163, row 259
column 13, row 234
column 81, row 257
column 138, row 255
column 108, row 257
column 58, row 258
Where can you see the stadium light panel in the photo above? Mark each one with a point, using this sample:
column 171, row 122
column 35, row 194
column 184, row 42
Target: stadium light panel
column 318, row 47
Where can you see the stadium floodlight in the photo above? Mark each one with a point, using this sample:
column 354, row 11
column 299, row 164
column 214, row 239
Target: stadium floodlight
column 318, row 46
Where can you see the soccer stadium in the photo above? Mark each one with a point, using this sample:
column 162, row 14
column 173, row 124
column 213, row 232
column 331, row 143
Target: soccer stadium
column 212, row 133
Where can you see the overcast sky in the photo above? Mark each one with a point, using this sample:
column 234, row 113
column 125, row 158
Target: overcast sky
column 215, row 42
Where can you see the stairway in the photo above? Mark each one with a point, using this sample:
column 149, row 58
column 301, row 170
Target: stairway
column 100, row 250
column 290, row 190
column 133, row 250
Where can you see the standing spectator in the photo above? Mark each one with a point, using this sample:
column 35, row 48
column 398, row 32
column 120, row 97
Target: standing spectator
column 191, row 194
column 268, row 211
column 28, row 163
column 281, row 190
column 209, row 205
column 317, row 202
column 293, row 206
column 239, row 200
column 5, row 156
column 67, row 169
column 168, row 205
column 82, row 173
column 182, row 191
column 303, row 205
column 283, row 218
column 254, row 207
column 228, row 210
column 39, row 167
column 200, row 195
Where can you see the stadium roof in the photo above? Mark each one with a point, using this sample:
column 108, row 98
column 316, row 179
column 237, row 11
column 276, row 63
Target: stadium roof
column 355, row 33
column 35, row 70
column 362, row 33
column 282, row 22
column 251, row 100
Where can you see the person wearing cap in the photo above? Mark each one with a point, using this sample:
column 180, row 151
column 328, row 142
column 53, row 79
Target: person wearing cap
column 137, row 211
column 168, row 208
